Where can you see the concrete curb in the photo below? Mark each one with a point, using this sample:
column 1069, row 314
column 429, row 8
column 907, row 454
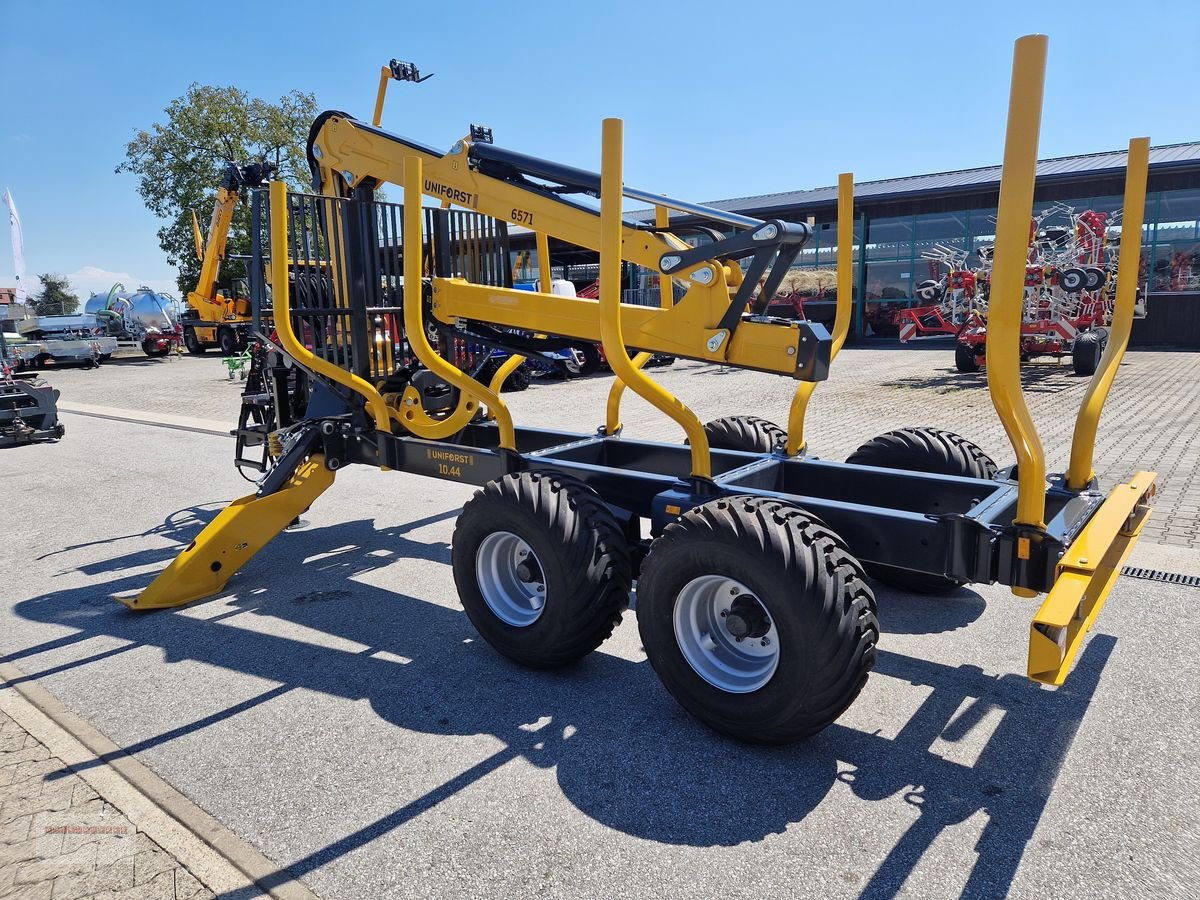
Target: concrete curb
column 221, row 860
column 158, row 420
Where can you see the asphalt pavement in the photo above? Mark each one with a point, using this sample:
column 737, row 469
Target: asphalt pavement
column 335, row 708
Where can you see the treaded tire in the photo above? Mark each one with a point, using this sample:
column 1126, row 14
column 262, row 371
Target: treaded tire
column 518, row 380
column 1086, row 352
column 814, row 591
column 925, row 450
column 965, row 359
column 749, row 433
column 1072, row 280
column 1094, row 278
column 583, row 556
column 227, row 341
column 193, row 345
column 922, row 450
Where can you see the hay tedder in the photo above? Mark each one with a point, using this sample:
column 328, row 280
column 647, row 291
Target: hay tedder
column 1069, row 292
column 750, row 558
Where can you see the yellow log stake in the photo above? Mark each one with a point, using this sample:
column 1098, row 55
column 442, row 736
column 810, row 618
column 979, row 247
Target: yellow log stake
column 412, row 415
column 1008, row 276
column 611, row 197
column 1083, row 444
column 845, row 306
column 666, row 296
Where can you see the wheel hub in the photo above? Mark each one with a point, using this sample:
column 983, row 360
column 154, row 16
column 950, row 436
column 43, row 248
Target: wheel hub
column 746, row 618
column 511, row 579
column 726, row 634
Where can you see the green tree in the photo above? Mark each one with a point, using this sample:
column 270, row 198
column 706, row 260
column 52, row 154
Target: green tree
column 179, row 162
column 56, row 297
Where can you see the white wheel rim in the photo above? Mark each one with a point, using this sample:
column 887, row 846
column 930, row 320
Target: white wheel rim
column 708, row 624
column 511, row 579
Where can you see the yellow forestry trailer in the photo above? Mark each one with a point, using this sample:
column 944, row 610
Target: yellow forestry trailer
column 753, row 593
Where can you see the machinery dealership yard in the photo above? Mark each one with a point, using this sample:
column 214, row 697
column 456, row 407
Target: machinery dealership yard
column 335, row 708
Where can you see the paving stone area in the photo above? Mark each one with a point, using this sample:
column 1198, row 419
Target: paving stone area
column 1152, row 419
column 59, row 840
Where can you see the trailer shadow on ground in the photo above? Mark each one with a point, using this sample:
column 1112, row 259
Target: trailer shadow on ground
column 623, row 752
column 1036, row 378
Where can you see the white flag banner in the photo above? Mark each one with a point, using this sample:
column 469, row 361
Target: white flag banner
column 18, row 245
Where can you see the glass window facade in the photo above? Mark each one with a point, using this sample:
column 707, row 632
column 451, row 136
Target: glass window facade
column 894, row 245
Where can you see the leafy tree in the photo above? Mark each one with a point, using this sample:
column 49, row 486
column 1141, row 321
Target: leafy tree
column 179, row 162
column 56, row 297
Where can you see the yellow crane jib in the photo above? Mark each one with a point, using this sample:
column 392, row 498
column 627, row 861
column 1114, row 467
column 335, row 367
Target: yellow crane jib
column 719, row 319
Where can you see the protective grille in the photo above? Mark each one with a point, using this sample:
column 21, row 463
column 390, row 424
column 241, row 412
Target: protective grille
column 346, row 275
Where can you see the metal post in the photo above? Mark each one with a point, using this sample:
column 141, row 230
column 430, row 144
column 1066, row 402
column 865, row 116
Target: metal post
column 1083, row 443
column 666, row 298
column 611, row 195
column 845, row 303
column 1008, row 277
column 413, row 415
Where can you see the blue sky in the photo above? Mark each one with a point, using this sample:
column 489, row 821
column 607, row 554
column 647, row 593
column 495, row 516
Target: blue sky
column 719, row 99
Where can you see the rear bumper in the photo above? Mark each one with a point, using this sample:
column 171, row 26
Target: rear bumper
column 1085, row 576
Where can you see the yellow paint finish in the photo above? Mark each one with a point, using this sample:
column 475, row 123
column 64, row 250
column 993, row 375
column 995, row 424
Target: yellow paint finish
column 845, row 308
column 1008, row 276
column 1083, row 442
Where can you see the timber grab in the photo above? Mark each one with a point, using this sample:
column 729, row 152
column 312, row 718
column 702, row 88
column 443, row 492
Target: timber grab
column 374, row 300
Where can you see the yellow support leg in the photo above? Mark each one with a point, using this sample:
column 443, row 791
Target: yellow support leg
column 230, row 540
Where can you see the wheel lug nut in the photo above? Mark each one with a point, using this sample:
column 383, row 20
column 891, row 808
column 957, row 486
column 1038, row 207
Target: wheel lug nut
column 724, row 613
column 765, row 641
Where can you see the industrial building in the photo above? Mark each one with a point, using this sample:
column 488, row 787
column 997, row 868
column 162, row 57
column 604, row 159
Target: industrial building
column 902, row 217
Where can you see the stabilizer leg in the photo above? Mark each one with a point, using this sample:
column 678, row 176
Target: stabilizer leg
column 230, row 540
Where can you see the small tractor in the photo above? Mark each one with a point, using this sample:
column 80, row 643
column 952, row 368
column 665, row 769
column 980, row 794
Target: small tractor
column 753, row 560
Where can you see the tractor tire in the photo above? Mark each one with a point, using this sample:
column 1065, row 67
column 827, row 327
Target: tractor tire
column 922, row 450
column 925, row 450
column 748, row 433
column 1086, row 352
column 227, row 341
column 192, row 344
column 541, row 567
column 151, row 351
column 965, row 359
column 1094, row 278
column 518, row 379
column 765, row 571
column 1072, row 280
